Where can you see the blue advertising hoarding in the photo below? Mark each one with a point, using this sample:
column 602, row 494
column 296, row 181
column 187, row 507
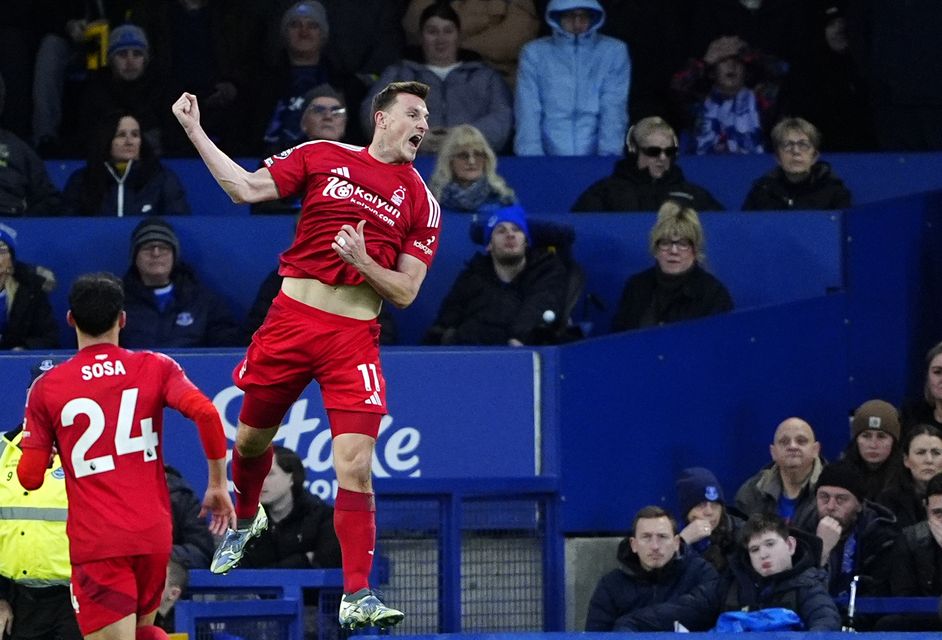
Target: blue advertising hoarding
column 453, row 414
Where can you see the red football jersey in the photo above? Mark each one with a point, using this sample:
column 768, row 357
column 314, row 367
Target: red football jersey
column 343, row 184
column 103, row 409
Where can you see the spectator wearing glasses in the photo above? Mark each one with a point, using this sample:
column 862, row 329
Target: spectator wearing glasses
column 465, row 177
column 677, row 287
column 324, row 117
column 165, row 302
column 647, row 176
column 801, row 180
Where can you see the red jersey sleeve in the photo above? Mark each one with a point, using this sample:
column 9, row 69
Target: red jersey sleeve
column 38, row 426
column 176, row 384
column 289, row 169
column 423, row 237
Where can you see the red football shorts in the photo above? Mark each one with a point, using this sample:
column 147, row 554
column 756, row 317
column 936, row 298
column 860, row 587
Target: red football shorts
column 104, row 591
column 298, row 343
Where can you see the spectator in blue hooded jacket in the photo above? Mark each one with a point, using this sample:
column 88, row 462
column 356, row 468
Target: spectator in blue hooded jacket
column 572, row 86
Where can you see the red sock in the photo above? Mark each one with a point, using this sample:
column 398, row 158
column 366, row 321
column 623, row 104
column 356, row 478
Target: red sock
column 355, row 524
column 248, row 474
column 151, row 632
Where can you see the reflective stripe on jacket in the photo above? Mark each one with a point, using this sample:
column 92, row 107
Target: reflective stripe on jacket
column 34, row 549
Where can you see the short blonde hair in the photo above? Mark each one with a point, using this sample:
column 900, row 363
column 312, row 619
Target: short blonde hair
column 466, row 136
column 675, row 220
column 645, row 127
column 796, row 124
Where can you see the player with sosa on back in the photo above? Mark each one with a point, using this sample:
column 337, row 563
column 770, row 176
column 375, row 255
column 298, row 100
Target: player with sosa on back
column 103, row 412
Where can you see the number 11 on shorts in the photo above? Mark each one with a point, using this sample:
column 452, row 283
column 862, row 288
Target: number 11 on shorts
column 370, row 377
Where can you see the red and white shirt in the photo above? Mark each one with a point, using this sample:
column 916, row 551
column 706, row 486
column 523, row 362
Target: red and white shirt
column 103, row 410
column 343, row 184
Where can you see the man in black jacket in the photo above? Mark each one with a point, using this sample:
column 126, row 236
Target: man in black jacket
column 651, row 574
column 775, row 567
column 857, row 535
column 916, row 568
column 504, row 296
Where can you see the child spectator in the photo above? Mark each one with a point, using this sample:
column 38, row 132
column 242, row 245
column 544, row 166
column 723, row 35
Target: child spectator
column 730, row 95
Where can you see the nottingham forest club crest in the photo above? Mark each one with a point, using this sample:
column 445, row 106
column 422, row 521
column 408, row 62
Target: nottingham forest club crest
column 398, row 195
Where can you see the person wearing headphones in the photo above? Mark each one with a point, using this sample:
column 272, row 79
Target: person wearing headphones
column 647, row 176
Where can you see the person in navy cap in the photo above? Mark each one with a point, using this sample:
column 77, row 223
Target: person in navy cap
column 710, row 528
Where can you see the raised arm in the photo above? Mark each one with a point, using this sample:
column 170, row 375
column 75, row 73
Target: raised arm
column 241, row 185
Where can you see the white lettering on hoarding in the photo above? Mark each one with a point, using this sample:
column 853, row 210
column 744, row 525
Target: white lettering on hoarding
column 396, row 455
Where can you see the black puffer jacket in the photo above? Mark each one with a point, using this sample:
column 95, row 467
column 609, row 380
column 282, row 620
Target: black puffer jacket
column 653, row 298
column 25, row 187
column 820, row 190
column 875, row 534
column 480, row 309
column 917, row 563
column 632, row 189
column 801, row 589
column 630, row 589
column 31, row 323
column 285, row 544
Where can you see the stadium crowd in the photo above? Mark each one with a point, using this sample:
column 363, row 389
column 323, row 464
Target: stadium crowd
column 642, row 82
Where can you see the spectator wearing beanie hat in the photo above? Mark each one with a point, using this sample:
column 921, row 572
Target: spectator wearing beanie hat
column 26, row 317
column 710, row 530
column 506, row 295
column 304, row 32
column 857, row 535
column 165, row 302
column 874, row 446
column 128, row 37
